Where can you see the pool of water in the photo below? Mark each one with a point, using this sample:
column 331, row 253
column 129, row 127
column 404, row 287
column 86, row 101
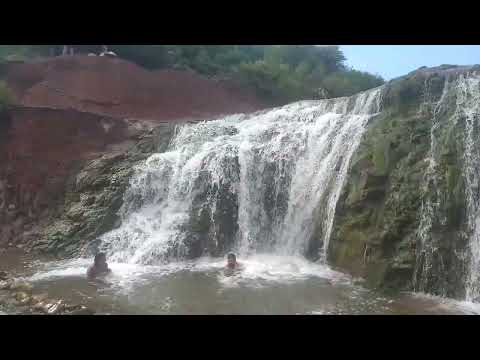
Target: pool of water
column 267, row 285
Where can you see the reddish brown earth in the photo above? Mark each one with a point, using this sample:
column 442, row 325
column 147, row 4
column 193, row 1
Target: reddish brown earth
column 114, row 87
column 71, row 109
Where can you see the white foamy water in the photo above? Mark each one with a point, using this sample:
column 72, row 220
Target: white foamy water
column 267, row 268
column 267, row 284
column 442, row 303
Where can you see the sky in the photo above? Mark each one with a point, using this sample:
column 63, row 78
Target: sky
column 391, row 61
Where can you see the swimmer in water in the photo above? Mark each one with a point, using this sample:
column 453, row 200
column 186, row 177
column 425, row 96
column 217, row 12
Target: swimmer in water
column 232, row 264
column 99, row 267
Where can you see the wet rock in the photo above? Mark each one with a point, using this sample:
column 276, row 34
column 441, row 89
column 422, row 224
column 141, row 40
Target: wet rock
column 55, row 308
column 89, row 201
column 5, row 285
column 3, row 275
column 94, row 196
column 79, row 310
column 379, row 210
column 49, row 307
column 20, row 284
column 41, row 307
column 22, row 297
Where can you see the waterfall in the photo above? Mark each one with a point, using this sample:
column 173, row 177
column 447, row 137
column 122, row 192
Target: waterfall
column 431, row 205
column 252, row 183
column 431, row 263
column 469, row 102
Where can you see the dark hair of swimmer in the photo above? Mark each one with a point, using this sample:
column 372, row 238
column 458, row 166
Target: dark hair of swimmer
column 100, row 258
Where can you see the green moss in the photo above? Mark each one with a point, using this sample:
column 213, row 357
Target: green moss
column 455, row 196
column 6, row 97
column 380, row 155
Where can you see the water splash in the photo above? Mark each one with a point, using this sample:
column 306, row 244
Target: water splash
column 267, row 175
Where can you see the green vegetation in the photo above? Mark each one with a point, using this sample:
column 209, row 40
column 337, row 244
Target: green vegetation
column 21, row 52
column 5, row 95
column 280, row 73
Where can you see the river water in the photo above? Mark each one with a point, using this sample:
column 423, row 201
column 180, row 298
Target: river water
column 268, row 285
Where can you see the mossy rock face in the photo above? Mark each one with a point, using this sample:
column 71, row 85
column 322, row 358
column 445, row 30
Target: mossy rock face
column 375, row 231
column 94, row 196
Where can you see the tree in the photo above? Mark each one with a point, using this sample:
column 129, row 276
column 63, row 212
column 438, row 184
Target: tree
column 350, row 82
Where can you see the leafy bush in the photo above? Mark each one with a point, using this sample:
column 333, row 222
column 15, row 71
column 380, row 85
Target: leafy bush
column 350, row 82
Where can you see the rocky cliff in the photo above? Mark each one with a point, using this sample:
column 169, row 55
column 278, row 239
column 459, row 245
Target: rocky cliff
column 401, row 220
column 77, row 120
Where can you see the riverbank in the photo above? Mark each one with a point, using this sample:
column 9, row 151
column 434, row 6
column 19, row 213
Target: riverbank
column 18, row 296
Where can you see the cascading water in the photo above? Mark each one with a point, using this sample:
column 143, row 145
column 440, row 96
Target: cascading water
column 431, row 205
column 254, row 182
column 469, row 102
column 465, row 89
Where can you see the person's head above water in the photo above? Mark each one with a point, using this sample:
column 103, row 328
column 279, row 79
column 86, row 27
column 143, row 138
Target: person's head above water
column 99, row 266
column 100, row 259
column 231, row 260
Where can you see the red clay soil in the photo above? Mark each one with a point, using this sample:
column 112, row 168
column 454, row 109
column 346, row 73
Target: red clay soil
column 118, row 88
column 49, row 141
column 70, row 108
column 38, row 151
column 65, row 102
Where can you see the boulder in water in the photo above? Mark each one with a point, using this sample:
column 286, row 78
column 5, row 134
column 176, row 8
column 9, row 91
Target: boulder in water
column 56, row 307
column 51, row 308
column 41, row 307
column 5, row 285
column 78, row 310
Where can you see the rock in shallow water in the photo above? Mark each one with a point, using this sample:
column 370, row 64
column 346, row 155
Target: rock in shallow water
column 5, row 285
column 81, row 310
column 56, row 307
